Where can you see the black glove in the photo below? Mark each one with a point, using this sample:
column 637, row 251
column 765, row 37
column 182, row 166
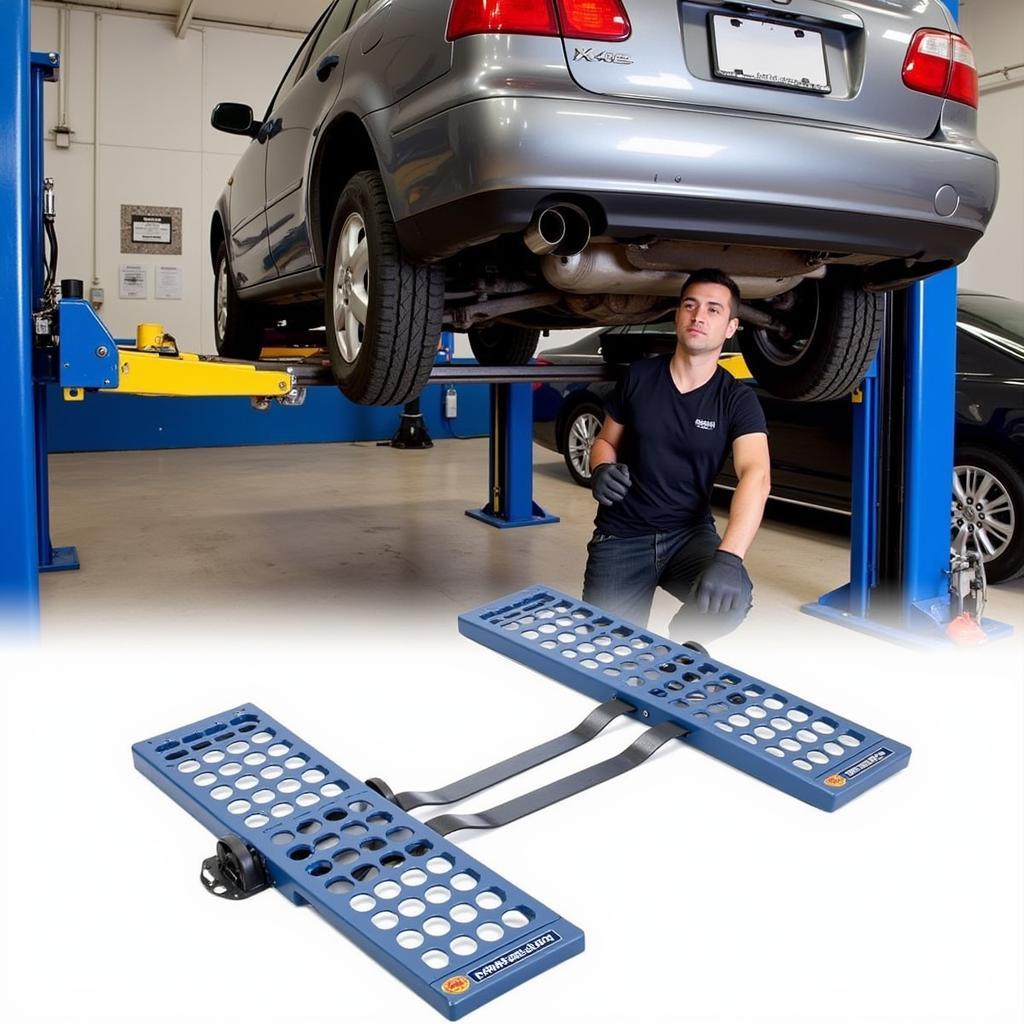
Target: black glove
column 610, row 481
column 720, row 587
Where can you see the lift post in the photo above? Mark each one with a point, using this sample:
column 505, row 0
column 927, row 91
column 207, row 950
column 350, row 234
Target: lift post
column 510, row 461
column 19, row 584
column 900, row 567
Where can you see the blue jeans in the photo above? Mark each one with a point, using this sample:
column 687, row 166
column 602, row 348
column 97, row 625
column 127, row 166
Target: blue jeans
column 623, row 572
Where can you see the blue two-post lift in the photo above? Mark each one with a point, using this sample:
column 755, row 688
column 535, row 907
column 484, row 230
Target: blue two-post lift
column 900, row 558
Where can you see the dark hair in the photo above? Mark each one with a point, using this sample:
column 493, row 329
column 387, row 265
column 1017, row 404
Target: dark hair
column 711, row 276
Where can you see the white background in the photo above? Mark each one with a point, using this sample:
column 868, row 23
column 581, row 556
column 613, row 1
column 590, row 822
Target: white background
column 704, row 894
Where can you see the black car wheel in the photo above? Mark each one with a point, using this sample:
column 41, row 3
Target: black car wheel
column 988, row 506
column 829, row 338
column 581, row 428
column 383, row 311
column 503, row 344
column 237, row 326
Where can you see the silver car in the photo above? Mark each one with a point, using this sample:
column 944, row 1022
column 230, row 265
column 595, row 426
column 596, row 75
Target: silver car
column 508, row 168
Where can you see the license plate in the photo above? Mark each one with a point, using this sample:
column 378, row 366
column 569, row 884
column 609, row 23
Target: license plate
column 769, row 53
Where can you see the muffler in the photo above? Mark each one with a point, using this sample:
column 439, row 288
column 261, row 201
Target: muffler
column 560, row 230
column 603, row 269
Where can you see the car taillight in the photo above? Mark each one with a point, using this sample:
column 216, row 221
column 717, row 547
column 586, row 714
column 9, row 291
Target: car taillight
column 518, row 17
column 941, row 64
column 604, row 20
column 594, row 19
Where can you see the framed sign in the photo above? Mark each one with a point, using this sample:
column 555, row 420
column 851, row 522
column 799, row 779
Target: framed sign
column 151, row 230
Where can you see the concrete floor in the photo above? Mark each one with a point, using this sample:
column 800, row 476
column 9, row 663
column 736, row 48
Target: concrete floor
column 317, row 541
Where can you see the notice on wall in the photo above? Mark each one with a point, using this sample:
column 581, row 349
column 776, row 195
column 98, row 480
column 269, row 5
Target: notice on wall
column 151, row 230
column 170, row 282
column 155, row 230
column 133, row 281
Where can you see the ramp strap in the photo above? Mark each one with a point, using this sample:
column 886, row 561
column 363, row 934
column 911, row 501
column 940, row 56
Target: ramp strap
column 635, row 754
column 601, row 716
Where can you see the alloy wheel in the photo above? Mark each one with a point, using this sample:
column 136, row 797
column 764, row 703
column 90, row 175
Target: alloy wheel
column 351, row 288
column 221, row 299
column 982, row 510
column 582, row 433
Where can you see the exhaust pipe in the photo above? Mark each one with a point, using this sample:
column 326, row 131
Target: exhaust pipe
column 562, row 230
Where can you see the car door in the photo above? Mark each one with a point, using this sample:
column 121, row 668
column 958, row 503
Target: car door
column 293, row 123
column 249, row 245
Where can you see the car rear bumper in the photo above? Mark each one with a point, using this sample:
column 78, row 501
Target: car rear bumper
column 483, row 168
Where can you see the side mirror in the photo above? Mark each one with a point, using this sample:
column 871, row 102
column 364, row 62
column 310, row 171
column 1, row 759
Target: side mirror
column 235, row 119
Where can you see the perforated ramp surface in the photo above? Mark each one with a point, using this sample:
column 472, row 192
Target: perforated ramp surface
column 455, row 932
column 787, row 741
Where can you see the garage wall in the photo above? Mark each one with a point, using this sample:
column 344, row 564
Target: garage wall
column 149, row 108
column 995, row 29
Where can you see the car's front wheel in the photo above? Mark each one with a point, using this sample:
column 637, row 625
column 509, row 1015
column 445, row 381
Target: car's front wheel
column 823, row 346
column 383, row 311
column 237, row 326
column 988, row 507
column 581, row 428
column 503, row 344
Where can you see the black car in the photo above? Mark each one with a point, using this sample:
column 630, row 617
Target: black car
column 811, row 441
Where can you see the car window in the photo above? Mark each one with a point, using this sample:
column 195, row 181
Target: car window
column 983, row 348
column 298, row 64
column 336, row 23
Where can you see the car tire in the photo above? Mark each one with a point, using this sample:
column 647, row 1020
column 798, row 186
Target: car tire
column 835, row 329
column 382, row 310
column 580, row 428
column 237, row 326
column 989, row 477
column 503, row 344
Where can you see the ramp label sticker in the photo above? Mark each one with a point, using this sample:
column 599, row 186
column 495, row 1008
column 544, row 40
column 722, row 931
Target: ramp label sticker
column 514, row 956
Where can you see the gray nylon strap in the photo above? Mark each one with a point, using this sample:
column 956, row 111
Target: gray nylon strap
column 635, row 754
column 601, row 716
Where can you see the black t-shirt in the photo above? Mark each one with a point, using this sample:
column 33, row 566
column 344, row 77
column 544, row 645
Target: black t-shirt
column 674, row 445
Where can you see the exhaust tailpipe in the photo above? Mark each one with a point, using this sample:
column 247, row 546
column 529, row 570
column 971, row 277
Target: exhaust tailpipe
column 562, row 230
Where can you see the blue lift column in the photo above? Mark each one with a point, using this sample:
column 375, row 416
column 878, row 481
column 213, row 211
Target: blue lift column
column 511, row 461
column 43, row 68
column 19, row 584
column 902, row 475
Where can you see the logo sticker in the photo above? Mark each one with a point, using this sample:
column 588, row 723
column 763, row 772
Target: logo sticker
column 514, row 956
column 874, row 758
column 456, row 986
column 835, row 781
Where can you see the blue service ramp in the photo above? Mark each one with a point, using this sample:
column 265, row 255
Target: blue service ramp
column 785, row 740
column 447, row 926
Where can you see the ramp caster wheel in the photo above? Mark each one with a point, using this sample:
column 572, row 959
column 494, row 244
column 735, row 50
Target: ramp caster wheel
column 699, row 648
column 234, row 872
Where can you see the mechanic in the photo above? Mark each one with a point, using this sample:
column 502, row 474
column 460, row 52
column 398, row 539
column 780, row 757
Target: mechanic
column 670, row 422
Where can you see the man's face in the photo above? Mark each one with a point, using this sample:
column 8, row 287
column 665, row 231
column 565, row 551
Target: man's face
column 704, row 320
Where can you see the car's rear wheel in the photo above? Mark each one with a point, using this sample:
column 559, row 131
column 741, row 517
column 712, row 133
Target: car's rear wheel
column 829, row 336
column 581, row 428
column 383, row 311
column 988, row 506
column 503, row 344
column 237, row 325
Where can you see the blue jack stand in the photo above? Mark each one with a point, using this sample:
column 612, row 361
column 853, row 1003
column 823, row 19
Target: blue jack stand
column 511, row 461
